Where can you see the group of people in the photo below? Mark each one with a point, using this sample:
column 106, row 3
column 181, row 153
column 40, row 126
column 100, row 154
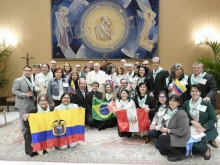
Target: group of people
column 172, row 114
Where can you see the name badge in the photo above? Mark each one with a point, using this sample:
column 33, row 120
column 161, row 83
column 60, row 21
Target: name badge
column 65, row 85
column 202, row 108
column 203, row 81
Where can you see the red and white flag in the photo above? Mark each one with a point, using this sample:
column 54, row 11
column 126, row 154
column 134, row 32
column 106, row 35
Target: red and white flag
column 133, row 120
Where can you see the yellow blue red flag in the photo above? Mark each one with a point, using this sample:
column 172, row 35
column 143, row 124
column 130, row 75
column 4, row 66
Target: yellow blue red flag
column 57, row 128
column 179, row 88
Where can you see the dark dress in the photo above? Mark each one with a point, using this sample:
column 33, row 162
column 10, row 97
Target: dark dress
column 150, row 101
column 27, row 140
column 159, row 82
column 207, row 120
column 89, row 97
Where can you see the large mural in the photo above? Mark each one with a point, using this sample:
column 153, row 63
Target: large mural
column 111, row 29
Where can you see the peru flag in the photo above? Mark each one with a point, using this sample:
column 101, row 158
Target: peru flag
column 133, row 120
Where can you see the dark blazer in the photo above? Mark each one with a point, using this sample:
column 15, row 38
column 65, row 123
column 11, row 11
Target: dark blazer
column 179, row 128
column 160, row 83
column 79, row 99
column 150, row 101
column 207, row 120
column 89, row 97
column 207, row 90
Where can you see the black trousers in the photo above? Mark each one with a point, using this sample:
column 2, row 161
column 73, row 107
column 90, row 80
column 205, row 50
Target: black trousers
column 165, row 148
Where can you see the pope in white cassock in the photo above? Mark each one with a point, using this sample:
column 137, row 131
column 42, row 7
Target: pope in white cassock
column 96, row 75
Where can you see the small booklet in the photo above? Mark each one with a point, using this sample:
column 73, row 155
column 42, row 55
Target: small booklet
column 195, row 134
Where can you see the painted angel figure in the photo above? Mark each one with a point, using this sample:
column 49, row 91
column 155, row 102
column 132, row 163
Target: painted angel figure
column 144, row 41
column 103, row 30
column 63, row 23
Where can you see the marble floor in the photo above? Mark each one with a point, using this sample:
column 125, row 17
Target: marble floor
column 13, row 114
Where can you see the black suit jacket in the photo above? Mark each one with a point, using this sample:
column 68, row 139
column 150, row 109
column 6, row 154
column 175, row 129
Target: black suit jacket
column 160, row 83
column 150, row 101
column 79, row 99
column 89, row 97
column 209, row 89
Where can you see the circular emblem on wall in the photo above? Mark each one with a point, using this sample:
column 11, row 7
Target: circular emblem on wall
column 104, row 26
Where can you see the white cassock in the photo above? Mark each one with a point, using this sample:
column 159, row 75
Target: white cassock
column 99, row 76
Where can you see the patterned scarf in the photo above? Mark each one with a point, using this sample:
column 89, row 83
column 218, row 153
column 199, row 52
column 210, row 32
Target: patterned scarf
column 108, row 96
column 193, row 81
column 65, row 107
column 170, row 112
column 30, row 83
column 123, row 103
column 142, row 101
column 193, row 107
column 156, row 72
column 41, row 110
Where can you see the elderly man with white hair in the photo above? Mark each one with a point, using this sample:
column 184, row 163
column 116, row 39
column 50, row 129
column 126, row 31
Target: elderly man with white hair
column 96, row 75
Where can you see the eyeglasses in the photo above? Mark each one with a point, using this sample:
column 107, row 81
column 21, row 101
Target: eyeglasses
column 146, row 64
column 162, row 97
column 42, row 100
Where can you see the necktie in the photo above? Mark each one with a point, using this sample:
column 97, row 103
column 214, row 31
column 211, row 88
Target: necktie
column 83, row 92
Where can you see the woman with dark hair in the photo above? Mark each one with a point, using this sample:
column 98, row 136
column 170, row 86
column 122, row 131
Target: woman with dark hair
column 144, row 100
column 107, row 95
column 86, row 70
column 67, row 69
column 42, row 107
column 161, row 108
column 124, row 102
column 65, row 105
column 110, row 73
column 119, row 74
column 177, row 76
column 36, row 70
column 202, row 120
column 56, row 87
column 175, row 131
column 143, row 77
column 42, row 79
column 73, row 81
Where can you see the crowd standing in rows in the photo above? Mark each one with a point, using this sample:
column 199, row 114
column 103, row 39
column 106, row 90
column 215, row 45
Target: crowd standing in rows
column 131, row 86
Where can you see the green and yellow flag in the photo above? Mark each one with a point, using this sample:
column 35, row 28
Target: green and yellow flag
column 100, row 110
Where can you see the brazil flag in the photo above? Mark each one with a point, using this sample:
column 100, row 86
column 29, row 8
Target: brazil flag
column 100, row 110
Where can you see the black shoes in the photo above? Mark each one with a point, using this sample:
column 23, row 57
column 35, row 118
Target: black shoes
column 174, row 158
column 207, row 157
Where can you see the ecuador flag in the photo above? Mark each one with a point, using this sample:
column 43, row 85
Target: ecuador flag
column 57, row 128
column 100, row 110
column 179, row 88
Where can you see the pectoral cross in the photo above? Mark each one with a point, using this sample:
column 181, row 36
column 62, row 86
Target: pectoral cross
column 27, row 59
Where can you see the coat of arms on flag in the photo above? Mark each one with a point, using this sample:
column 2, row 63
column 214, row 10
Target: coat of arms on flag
column 133, row 120
column 57, row 128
